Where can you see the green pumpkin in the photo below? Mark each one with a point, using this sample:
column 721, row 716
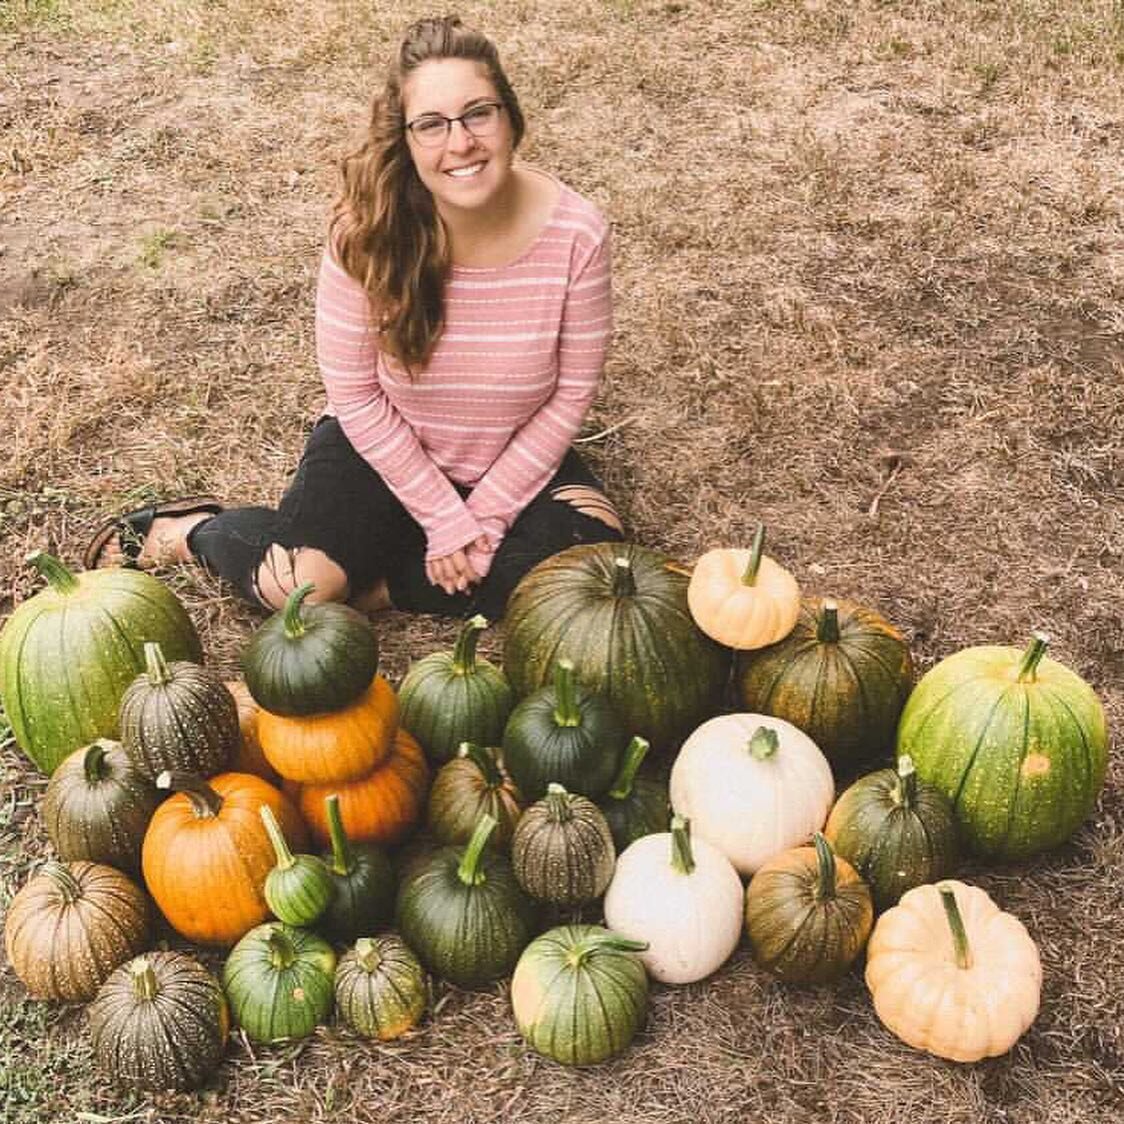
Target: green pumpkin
column 159, row 1022
column 310, row 659
column 179, row 717
column 842, row 675
column 1016, row 741
column 299, row 888
column 380, row 987
column 580, row 993
column 896, row 831
column 97, row 806
column 565, row 733
column 452, row 697
column 279, row 980
column 476, row 782
column 462, row 911
column 68, row 653
column 364, row 882
column 635, row 805
column 619, row 612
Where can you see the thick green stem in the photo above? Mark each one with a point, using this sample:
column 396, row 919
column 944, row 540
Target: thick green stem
column 367, row 953
column 754, row 564
column 469, row 871
column 285, row 858
column 633, row 756
column 682, row 860
column 566, row 712
column 59, row 578
column 1034, row 652
column 557, row 801
column 343, row 858
column 205, row 801
column 600, row 942
column 764, row 743
column 825, row 875
column 624, row 580
column 464, row 654
column 155, row 664
column 956, row 924
column 144, row 978
column 281, row 951
column 93, row 760
column 291, row 620
column 60, row 874
column 827, row 631
column 905, row 791
column 485, row 761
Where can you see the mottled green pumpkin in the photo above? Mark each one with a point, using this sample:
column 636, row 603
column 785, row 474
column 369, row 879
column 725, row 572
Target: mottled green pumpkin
column 380, row 987
column 896, row 831
column 474, row 783
column 1015, row 740
column 68, row 653
column 299, row 888
column 635, row 805
column 159, row 1022
column 448, row 698
column 842, row 675
column 364, row 880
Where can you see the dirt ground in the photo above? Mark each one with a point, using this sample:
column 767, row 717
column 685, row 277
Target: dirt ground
column 869, row 270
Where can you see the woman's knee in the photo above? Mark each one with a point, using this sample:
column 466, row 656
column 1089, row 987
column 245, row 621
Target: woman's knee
column 284, row 569
column 591, row 502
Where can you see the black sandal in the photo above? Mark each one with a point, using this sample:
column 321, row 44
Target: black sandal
column 132, row 528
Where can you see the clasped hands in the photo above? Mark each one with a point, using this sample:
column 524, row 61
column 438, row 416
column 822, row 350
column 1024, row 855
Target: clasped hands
column 455, row 572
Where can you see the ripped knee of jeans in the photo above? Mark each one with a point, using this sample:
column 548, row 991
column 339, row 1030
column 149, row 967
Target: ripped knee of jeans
column 286, row 568
column 589, row 501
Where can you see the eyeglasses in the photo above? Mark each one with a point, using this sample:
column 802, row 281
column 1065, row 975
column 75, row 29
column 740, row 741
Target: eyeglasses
column 433, row 129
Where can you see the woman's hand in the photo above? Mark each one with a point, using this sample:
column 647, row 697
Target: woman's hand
column 454, row 573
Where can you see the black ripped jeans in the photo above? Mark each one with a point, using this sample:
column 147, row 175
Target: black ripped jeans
column 337, row 503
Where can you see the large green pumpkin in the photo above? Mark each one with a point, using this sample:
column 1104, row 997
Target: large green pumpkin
column 619, row 612
column 1016, row 741
column 68, row 653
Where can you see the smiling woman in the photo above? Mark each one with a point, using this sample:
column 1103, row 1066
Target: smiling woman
column 463, row 315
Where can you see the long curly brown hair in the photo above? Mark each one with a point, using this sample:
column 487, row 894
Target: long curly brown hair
column 384, row 227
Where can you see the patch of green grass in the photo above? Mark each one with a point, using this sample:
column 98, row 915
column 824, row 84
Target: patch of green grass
column 16, row 15
column 153, row 245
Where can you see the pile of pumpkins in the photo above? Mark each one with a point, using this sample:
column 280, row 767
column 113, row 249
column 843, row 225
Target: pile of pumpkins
column 529, row 796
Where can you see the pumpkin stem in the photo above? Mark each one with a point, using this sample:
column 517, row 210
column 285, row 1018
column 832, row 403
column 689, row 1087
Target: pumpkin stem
column 764, row 743
column 827, row 631
column 485, row 761
column 469, row 871
column 624, row 580
column 155, row 664
column 204, row 799
column 905, row 791
column 343, row 858
column 93, row 760
column 750, row 575
column 682, row 860
column 825, row 876
column 593, row 943
column 63, row 878
column 464, row 654
column 291, row 619
column 368, row 955
column 557, row 801
column 285, row 858
column 566, row 711
column 281, row 951
column 633, row 756
column 1034, row 652
column 956, row 924
column 144, row 978
column 59, row 578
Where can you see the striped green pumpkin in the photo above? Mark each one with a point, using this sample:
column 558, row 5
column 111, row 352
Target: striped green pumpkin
column 380, row 987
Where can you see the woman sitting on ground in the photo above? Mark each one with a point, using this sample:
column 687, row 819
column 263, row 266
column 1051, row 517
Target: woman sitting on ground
column 462, row 318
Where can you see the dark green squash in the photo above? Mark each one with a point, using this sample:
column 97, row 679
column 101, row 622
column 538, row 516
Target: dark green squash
column 364, row 882
column 97, row 806
column 842, row 675
column 452, row 697
column 68, row 653
column 380, row 987
column 463, row 912
column 160, row 1022
column 565, row 733
column 619, row 612
column 180, row 717
column 896, row 831
column 299, row 888
column 279, row 980
column 475, row 782
column 635, row 805
column 310, row 659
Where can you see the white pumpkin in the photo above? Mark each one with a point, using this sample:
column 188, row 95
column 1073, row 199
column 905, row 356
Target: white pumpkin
column 680, row 895
column 752, row 785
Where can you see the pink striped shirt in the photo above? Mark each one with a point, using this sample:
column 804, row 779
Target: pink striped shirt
column 504, row 393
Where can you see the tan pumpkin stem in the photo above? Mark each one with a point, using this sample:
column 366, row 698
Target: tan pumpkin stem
column 343, row 858
column 205, row 801
column 750, row 575
column 905, row 791
column 606, row 941
column 155, row 664
column 1034, row 652
column 566, row 711
column 469, row 871
column 626, row 778
column 93, row 760
column 624, row 580
column 827, row 631
column 764, row 743
column 558, row 804
column 144, row 978
column 956, row 924
column 825, row 861
column 682, row 859
column 285, row 860
column 59, row 578
column 292, row 621
column 464, row 653
column 368, row 955
column 68, row 885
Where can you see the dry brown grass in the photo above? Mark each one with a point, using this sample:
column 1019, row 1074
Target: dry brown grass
column 869, row 270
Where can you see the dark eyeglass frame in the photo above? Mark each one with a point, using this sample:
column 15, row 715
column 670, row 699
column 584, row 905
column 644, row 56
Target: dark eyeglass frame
column 411, row 126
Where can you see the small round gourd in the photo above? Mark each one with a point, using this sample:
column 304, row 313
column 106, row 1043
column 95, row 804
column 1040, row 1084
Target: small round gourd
column 159, row 1022
column 635, row 805
column 364, row 880
column 299, row 888
column 473, row 783
column 952, row 974
column 380, row 987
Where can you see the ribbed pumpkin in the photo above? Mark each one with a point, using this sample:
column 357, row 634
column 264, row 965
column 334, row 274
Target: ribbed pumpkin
column 464, row 914
column 452, row 697
column 280, row 982
column 1017, row 741
column 896, row 831
column 619, row 612
column 207, row 853
column 580, row 993
column 364, row 881
column 68, row 653
column 310, row 659
column 841, row 675
column 380, row 807
column 808, row 914
column 97, row 806
column 635, row 805
column 71, row 925
column 380, row 987
column 464, row 789
column 249, row 756
column 332, row 748
column 299, row 888
column 565, row 733
column 562, row 850
column 178, row 716
column 159, row 1022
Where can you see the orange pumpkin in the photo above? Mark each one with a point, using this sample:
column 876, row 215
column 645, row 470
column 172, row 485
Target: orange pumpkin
column 249, row 757
column 206, row 853
column 380, row 807
column 332, row 748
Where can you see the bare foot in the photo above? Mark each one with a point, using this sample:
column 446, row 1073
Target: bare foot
column 164, row 545
column 373, row 600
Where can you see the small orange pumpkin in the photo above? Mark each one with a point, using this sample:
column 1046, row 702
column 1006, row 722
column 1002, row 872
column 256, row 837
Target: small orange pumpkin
column 332, row 748
column 249, row 757
column 380, row 807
